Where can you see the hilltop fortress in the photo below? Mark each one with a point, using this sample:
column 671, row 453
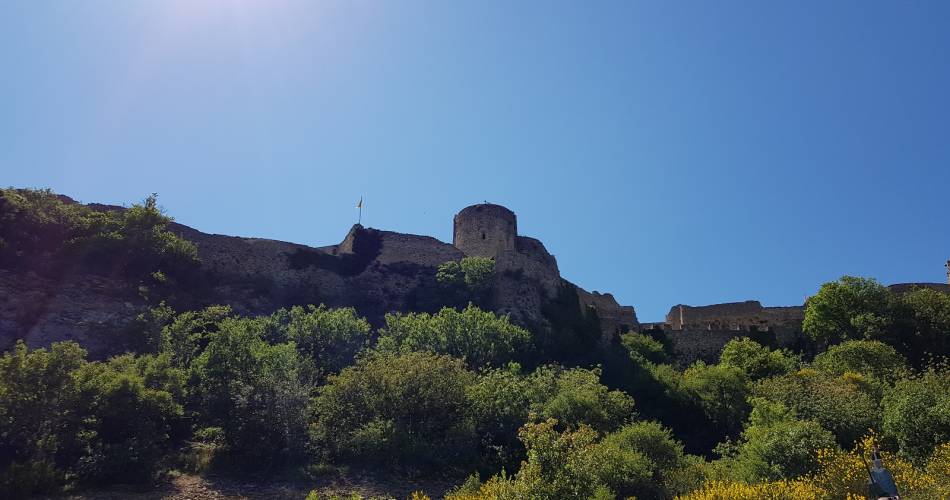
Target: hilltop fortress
column 375, row 272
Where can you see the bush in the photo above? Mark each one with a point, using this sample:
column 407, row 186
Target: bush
column 644, row 348
column 63, row 417
column 917, row 413
column 559, row 466
column 480, row 337
column 643, row 460
column 575, row 397
column 130, row 418
column 134, row 242
column 778, row 490
column 465, row 281
column 775, row 446
column 756, row 360
column 721, row 391
column 329, row 337
column 406, row 409
column 502, row 400
column 873, row 359
column 843, row 405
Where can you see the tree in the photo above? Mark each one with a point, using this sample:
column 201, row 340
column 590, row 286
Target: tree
column 255, row 392
column 188, row 334
column 38, row 418
column 850, row 308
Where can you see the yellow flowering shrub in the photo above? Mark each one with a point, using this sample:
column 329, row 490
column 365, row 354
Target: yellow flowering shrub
column 778, row 490
column 845, row 473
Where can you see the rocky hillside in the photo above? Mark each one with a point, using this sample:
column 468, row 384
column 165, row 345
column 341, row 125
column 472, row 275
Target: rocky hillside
column 54, row 288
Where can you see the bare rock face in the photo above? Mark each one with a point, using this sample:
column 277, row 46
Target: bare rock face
column 80, row 307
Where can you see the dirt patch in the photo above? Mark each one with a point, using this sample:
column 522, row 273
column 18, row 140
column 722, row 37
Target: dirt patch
column 193, row 487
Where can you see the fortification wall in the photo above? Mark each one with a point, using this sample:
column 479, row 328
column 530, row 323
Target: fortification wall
column 691, row 345
column 614, row 318
column 907, row 287
column 735, row 316
column 420, row 250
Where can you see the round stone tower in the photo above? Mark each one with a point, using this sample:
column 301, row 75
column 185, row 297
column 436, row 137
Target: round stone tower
column 485, row 230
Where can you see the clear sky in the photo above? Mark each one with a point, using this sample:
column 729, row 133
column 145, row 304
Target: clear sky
column 668, row 152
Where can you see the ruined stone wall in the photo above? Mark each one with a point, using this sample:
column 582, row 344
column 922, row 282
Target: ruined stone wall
column 614, row 318
column 485, row 230
column 421, row 250
column 735, row 316
column 691, row 345
column 907, row 287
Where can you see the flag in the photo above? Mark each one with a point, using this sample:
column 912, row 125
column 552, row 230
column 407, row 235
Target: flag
column 360, row 204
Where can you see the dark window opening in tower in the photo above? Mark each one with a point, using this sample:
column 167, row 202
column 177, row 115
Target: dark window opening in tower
column 483, row 236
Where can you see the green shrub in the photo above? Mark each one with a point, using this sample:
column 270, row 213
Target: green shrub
column 575, row 397
column 134, row 242
column 644, row 348
column 775, row 445
column 467, row 280
column 866, row 357
column 329, row 337
column 917, row 413
column 405, row 409
column 63, row 417
column 843, row 405
column 756, row 360
column 480, row 337
column 721, row 392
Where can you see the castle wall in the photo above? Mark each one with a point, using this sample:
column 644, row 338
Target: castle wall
column 421, row 250
column 734, row 316
column 691, row 345
column 614, row 318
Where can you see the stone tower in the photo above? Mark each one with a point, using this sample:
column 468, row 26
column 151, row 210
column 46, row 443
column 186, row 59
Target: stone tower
column 485, row 230
column 948, row 271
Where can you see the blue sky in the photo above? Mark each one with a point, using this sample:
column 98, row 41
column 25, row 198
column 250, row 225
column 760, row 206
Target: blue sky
column 667, row 152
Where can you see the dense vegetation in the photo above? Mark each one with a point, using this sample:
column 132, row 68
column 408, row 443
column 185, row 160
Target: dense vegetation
column 39, row 227
column 539, row 413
